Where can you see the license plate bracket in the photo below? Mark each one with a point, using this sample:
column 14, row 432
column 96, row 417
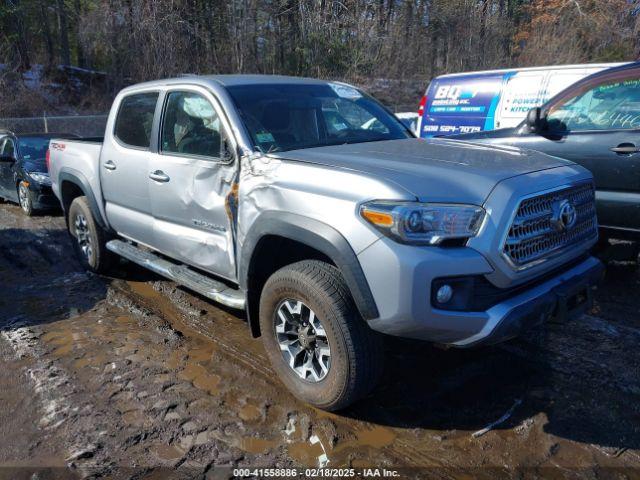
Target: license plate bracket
column 572, row 299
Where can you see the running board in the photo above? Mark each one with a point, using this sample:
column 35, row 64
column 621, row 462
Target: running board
column 181, row 274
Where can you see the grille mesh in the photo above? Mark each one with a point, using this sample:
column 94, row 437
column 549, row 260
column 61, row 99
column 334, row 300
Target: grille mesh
column 533, row 235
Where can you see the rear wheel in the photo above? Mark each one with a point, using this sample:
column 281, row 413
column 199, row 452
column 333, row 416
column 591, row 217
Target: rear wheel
column 89, row 239
column 25, row 200
column 316, row 340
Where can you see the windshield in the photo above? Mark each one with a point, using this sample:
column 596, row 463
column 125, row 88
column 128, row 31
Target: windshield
column 33, row 149
column 283, row 117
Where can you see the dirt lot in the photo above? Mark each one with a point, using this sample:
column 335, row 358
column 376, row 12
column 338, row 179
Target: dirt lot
column 131, row 376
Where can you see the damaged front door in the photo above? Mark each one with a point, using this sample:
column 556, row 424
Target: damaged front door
column 191, row 181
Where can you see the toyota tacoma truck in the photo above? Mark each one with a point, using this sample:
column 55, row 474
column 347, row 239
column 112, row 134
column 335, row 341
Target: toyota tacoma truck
column 280, row 196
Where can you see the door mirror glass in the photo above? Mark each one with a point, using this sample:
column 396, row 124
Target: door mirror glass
column 7, row 159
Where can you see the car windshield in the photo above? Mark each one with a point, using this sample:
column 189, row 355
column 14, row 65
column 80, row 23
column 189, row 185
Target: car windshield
column 33, row 149
column 283, row 117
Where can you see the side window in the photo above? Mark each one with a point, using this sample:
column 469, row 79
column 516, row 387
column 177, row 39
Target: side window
column 191, row 126
column 613, row 105
column 135, row 119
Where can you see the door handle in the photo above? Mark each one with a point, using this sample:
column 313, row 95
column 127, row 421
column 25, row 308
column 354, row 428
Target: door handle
column 625, row 148
column 109, row 165
column 159, row 176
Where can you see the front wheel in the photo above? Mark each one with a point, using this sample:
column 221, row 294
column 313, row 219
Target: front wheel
column 321, row 348
column 89, row 239
column 24, row 197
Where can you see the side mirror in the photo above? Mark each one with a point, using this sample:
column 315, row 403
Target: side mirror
column 7, row 159
column 536, row 120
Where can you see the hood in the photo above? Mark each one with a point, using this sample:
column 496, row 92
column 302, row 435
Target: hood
column 434, row 170
column 486, row 134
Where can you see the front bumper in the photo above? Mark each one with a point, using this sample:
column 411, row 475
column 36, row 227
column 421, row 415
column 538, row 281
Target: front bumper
column 565, row 296
column 400, row 279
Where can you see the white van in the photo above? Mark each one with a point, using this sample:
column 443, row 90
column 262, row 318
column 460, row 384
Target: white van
column 476, row 101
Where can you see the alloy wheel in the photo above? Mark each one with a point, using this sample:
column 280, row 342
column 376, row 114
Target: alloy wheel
column 83, row 236
column 23, row 197
column 303, row 340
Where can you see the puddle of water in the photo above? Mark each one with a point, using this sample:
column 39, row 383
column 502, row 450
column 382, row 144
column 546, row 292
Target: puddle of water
column 377, row 437
column 83, row 362
column 192, row 371
column 175, row 359
column 64, row 350
column 249, row 413
column 209, row 383
column 306, row 453
column 256, row 445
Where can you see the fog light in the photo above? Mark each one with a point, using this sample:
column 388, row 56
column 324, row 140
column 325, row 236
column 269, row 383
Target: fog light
column 444, row 294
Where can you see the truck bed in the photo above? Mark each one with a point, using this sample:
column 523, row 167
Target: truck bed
column 78, row 159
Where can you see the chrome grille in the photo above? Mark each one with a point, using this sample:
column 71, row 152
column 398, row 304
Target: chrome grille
column 537, row 230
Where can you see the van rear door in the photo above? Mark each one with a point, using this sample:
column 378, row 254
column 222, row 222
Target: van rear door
column 460, row 104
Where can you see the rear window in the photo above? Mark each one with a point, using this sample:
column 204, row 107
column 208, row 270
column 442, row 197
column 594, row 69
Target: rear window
column 135, row 119
column 33, row 149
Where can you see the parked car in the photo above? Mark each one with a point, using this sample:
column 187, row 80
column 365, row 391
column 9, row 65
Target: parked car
column 266, row 194
column 24, row 178
column 595, row 123
column 477, row 101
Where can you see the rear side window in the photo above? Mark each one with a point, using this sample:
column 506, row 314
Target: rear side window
column 135, row 119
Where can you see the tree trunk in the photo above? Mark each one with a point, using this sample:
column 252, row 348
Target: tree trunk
column 81, row 60
column 65, row 54
column 20, row 57
column 48, row 38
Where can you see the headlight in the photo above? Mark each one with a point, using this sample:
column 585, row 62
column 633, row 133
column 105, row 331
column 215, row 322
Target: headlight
column 40, row 177
column 423, row 223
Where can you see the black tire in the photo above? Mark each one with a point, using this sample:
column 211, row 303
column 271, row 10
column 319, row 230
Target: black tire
column 89, row 239
column 356, row 351
column 25, row 200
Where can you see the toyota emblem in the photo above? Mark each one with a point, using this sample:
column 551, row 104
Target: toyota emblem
column 565, row 216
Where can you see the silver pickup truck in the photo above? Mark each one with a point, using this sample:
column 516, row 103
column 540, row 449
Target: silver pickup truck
column 309, row 205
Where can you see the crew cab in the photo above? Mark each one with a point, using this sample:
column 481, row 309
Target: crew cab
column 267, row 194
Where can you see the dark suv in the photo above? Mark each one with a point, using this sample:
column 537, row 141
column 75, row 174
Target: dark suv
column 24, row 176
column 596, row 123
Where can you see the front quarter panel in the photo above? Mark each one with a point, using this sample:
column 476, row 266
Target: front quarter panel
column 326, row 194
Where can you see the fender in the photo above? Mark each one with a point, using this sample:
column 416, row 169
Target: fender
column 78, row 179
column 317, row 235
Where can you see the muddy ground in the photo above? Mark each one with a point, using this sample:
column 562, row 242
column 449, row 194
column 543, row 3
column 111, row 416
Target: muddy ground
column 130, row 376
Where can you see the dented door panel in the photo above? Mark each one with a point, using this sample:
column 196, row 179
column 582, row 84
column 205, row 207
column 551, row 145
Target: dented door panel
column 191, row 222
